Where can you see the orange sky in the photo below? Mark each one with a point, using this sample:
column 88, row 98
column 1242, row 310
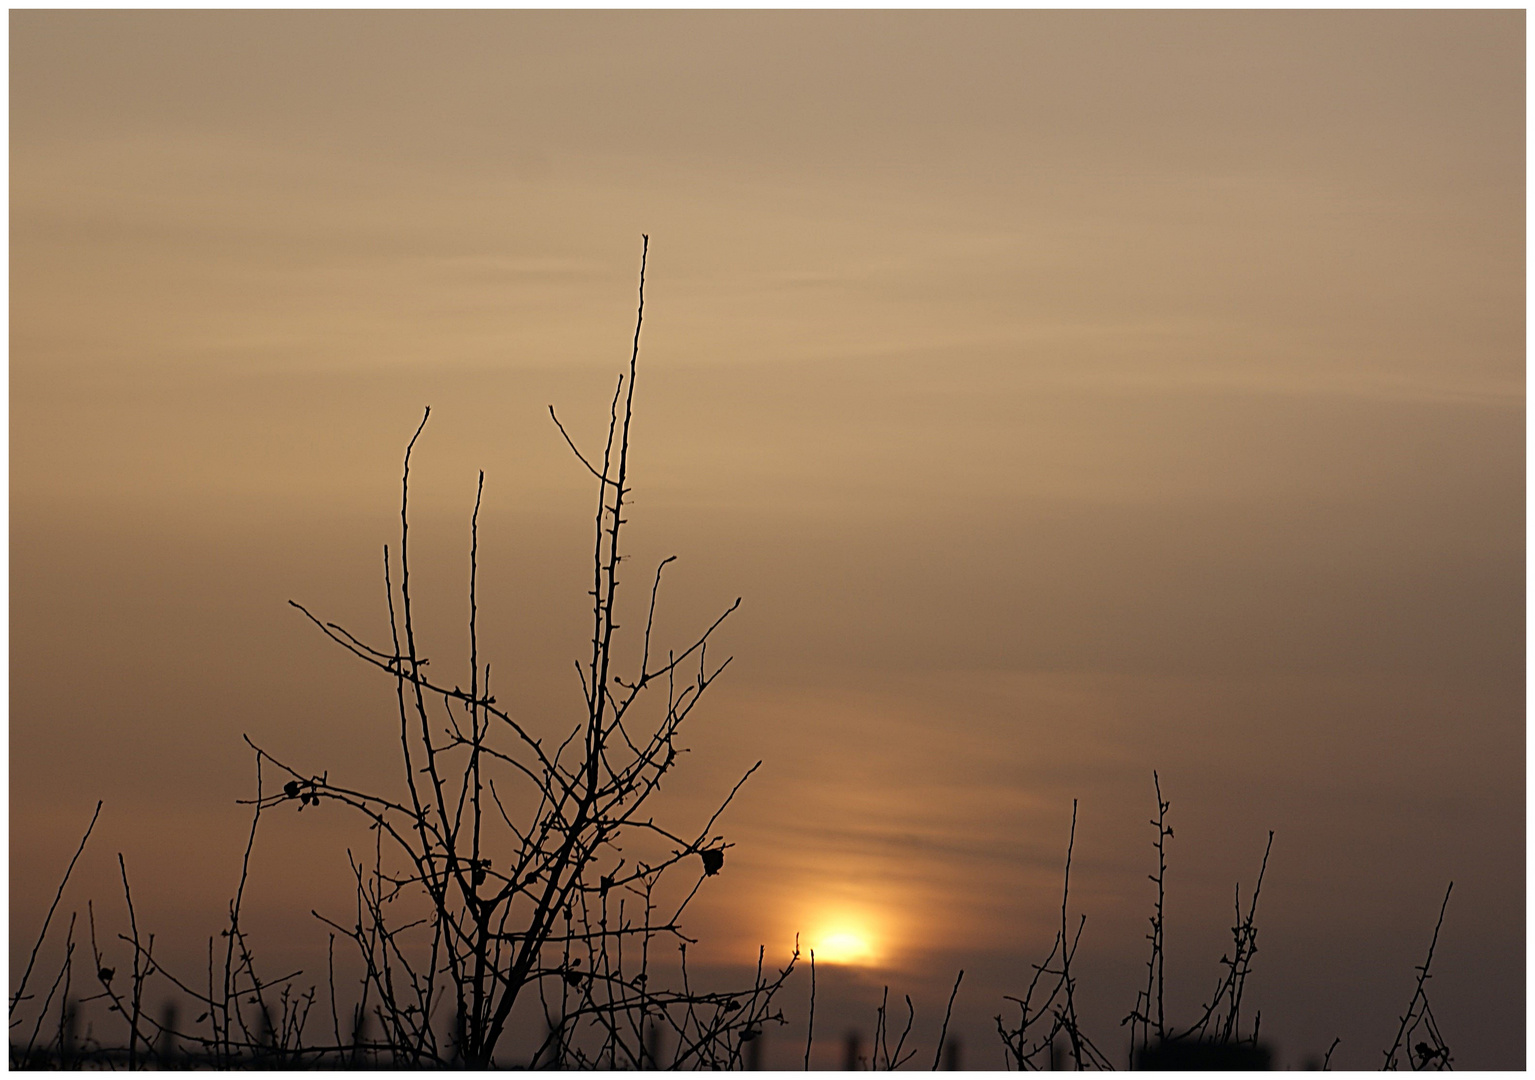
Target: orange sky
column 1067, row 396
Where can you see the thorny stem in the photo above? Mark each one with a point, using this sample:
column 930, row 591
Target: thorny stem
column 1418, row 1009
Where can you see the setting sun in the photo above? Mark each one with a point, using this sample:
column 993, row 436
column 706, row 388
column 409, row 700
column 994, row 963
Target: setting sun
column 846, row 942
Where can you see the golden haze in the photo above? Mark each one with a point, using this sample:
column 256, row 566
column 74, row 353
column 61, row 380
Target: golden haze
column 1067, row 394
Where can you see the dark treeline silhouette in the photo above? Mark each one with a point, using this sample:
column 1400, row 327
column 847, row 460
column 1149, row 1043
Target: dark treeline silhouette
column 519, row 881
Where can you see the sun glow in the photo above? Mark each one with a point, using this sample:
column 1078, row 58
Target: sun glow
column 845, row 942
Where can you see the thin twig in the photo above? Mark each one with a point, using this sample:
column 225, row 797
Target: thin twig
column 944, row 1033
column 810, row 1027
column 21, row 987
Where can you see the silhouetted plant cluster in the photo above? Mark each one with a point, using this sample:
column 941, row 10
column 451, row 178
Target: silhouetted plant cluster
column 1032, row 1044
column 1048, row 1029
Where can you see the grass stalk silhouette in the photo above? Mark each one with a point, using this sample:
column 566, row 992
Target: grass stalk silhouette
column 21, row 987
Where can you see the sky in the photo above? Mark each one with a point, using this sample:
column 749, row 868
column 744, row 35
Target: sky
column 1067, row 395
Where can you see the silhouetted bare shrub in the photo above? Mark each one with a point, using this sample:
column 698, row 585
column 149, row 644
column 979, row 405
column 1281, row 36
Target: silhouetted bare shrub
column 512, row 867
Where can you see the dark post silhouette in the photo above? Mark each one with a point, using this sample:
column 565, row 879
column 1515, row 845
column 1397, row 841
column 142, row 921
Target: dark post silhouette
column 953, row 1054
column 852, row 1056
